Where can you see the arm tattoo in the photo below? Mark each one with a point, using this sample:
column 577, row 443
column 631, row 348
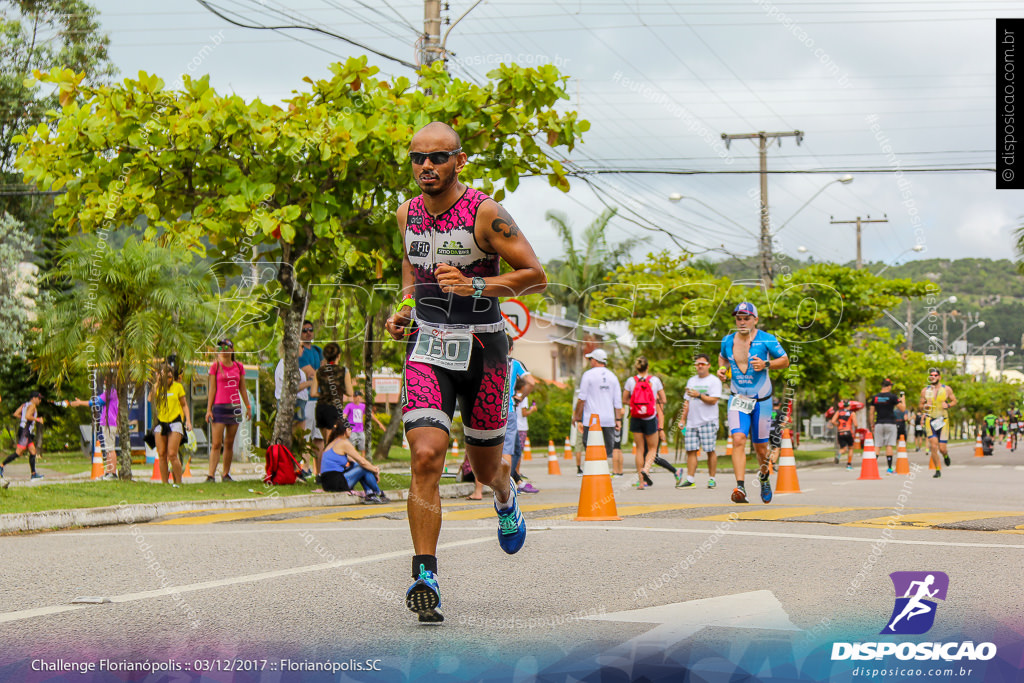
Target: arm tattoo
column 504, row 223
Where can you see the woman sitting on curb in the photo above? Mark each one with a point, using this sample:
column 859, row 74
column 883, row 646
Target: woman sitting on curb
column 344, row 466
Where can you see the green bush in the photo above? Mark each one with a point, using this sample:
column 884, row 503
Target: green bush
column 553, row 418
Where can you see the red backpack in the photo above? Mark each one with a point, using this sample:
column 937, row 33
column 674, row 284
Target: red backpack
column 282, row 468
column 641, row 402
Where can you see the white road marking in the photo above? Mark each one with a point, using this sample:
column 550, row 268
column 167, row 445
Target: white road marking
column 247, row 578
column 677, row 622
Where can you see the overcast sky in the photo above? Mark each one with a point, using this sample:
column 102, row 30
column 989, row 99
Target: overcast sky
column 874, row 85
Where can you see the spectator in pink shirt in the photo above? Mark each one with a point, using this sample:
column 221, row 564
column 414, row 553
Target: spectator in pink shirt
column 225, row 396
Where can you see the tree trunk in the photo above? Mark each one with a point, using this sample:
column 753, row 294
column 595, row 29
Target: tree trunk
column 291, row 317
column 384, row 447
column 368, row 377
column 124, row 456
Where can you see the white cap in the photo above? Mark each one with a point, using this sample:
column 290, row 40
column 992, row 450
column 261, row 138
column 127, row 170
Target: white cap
column 600, row 355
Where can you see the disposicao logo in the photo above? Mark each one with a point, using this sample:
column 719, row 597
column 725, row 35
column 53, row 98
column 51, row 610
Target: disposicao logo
column 914, row 612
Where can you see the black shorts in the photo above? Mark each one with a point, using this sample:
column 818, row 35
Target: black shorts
column 227, row 414
column 333, row 481
column 325, row 415
column 845, row 439
column 429, row 392
column 901, row 430
column 640, row 425
column 25, row 437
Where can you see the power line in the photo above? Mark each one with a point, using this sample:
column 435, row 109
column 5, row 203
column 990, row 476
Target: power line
column 218, row 12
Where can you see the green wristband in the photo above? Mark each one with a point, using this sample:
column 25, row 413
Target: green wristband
column 406, row 302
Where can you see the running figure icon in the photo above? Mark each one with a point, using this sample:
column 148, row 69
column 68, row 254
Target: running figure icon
column 916, row 606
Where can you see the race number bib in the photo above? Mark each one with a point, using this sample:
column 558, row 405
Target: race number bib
column 448, row 350
column 744, row 404
column 937, row 424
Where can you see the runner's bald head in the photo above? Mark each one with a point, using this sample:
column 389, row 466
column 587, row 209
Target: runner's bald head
column 438, row 132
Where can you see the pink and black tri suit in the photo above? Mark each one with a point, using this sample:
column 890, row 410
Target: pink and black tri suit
column 430, row 389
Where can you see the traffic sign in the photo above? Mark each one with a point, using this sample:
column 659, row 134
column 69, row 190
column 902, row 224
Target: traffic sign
column 517, row 317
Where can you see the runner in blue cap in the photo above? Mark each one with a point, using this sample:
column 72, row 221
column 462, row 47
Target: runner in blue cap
column 749, row 353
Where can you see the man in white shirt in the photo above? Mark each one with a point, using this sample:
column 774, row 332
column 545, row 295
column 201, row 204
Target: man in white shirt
column 700, row 420
column 600, row 394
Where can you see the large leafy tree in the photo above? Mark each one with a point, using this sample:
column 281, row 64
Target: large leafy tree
column 125, row 308
column 309, row 187
column 41, row 34
column 17, row 286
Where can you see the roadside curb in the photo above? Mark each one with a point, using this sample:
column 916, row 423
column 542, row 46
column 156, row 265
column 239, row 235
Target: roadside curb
column 146, row 512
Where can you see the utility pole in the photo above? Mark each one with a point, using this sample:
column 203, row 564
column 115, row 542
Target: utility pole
column 431, row 50
column 859, row 221
column 765, row 245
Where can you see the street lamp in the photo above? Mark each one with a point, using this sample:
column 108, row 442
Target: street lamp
column 979, row 350
column 676, row 197
column 916, row 247
column 845, row 180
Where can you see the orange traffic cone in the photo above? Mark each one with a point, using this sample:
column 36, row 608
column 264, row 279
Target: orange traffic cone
column 553, row 467
column 455, row 448
column 931, row 463
column 97, row 461
column 728, row 447
column 405, row 441
column 568, row 450
column 1009, row 443
column 188, row 467
column 597, row 500
column 156, row 470
column 869, row 461
column 977, row 448
column 787, row 481
column 663, row 451
column 527, row 450
column 902, row 461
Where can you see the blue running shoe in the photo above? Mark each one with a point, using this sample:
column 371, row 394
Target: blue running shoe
column 511, row 525
column 766, row 488
column 424, row 597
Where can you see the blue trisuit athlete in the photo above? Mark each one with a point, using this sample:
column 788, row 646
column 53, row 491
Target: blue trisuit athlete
column 749, row 353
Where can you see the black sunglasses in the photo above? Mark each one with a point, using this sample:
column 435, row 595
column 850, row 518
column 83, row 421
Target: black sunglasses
column 436, row 158
column 307, row 329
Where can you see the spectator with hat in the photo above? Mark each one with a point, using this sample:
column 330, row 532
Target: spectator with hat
column 600, row 394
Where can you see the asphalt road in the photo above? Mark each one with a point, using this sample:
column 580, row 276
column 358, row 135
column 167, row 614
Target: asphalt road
column 686, row 577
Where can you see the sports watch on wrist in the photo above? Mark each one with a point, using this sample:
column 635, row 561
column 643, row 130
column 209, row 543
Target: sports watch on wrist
column 478, row 287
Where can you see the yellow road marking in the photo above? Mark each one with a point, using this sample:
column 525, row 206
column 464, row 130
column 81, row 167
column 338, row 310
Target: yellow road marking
column 927, row 519
column 355, row 512
column 771, row 514
column 232, row 516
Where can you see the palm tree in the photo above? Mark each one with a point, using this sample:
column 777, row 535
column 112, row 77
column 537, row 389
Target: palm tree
column 125, row 307
column 585, row 267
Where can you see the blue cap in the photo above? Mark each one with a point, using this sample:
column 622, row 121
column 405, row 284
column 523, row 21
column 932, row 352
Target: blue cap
column 745, row 307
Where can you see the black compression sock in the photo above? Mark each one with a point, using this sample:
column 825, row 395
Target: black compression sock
column 429, row 563
column 889, row 458
column 32, row 463
column 10, row 458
